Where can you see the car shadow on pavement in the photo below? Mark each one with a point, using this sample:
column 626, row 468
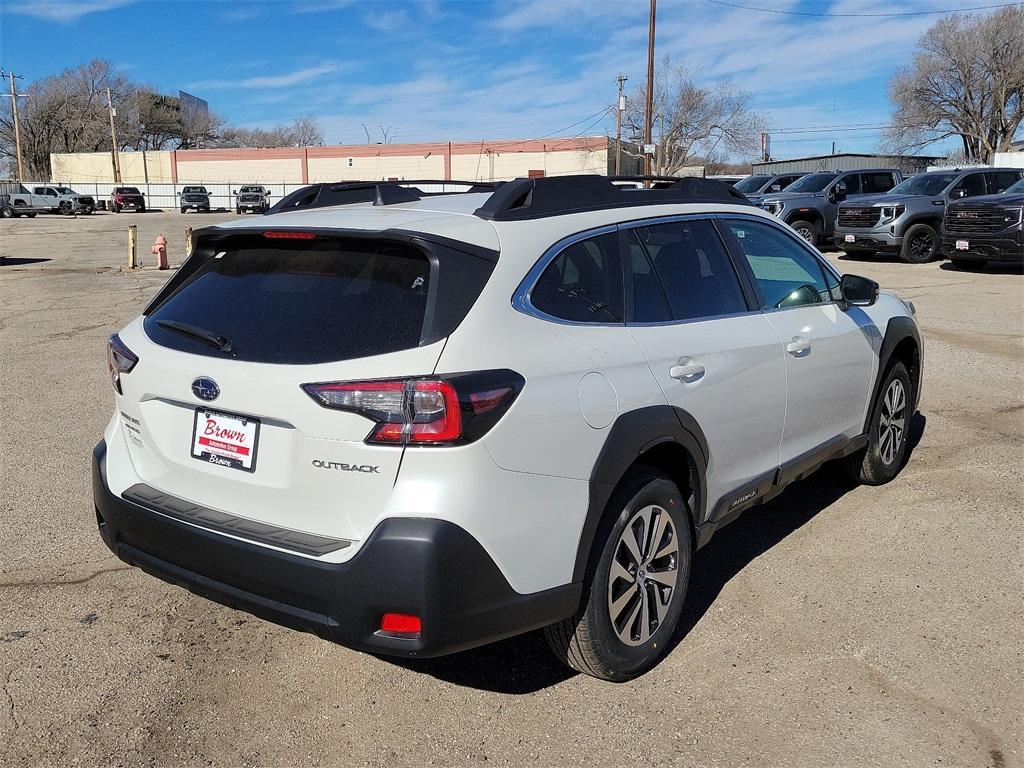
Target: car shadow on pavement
column 991, row 267
column 524, row 664
column 17, row 261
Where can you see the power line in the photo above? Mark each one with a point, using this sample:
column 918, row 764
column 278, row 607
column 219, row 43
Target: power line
column 863, row 15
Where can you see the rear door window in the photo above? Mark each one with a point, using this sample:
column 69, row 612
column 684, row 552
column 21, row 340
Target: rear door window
column 1000, row 181
column 692, row 266
column 583, row 284
column 299, row 302
column 877, row 182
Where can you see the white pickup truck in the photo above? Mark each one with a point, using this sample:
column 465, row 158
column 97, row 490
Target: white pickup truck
column 45, row 199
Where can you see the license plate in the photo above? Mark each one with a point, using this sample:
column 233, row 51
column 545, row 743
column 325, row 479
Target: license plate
column 850, row 239
column 225, row 439
column 963, row 245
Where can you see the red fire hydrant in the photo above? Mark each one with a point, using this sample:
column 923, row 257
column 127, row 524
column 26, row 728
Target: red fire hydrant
column 160, row 250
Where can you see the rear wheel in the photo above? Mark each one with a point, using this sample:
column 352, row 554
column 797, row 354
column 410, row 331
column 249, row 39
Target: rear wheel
column 65, row 209
column 7, row 212
column 808, row 230
column 920, row 244
column 883, row 457
column 238, row 211
column 141, row 209
column 183, row 209
column 635, row 584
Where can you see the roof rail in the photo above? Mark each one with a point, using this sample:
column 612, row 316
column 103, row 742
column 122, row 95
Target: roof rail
column 377, row 192
column 525, row 199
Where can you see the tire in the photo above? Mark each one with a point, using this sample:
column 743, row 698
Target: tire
column 7, row 212
column 880, row 461
column 184, row 209
column 920, row 244
column 65, row 209
column 141, row 209
column 238, row 211
column 808, row 230
column 967, row 264
column 115, row 208
column 615, row 647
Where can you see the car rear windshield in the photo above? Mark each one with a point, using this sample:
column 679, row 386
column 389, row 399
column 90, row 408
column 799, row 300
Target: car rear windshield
column 298, row 302
column 812, row 182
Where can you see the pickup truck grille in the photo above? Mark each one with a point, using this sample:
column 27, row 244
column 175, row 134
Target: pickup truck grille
column 85, row 200
column 859, row 217
column 249, row 199
column 194, row 199
column 975, row 220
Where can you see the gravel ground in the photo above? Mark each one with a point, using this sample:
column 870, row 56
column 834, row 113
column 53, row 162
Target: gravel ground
column 864, row 627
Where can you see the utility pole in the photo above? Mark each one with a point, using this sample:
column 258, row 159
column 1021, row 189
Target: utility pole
column 649, row 112
column 17, row 127
column 113, row 140
column 620, row 107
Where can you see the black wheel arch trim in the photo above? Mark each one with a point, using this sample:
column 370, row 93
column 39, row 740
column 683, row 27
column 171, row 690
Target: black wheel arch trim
column 632, row 435
column 898, row 330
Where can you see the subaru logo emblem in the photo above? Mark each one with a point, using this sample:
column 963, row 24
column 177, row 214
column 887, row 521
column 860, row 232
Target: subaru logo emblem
column 205, row 388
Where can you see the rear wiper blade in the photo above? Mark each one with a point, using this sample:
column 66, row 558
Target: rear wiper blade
column 221, row 343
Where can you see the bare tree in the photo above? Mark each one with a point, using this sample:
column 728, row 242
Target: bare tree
column 967, row 80
column 301, row 132
column 694, row 122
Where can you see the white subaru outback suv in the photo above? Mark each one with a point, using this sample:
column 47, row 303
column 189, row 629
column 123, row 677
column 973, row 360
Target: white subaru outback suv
column 416, row 422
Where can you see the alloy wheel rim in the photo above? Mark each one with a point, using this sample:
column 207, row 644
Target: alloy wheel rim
column 643, row 576
column 805, row 233
column 922, row 245
column 892, row 422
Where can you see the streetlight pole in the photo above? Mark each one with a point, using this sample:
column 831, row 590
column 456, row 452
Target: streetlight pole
column 649, row 112
column 17, row 126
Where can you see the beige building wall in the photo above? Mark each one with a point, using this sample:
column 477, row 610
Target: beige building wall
column 508, row 165
column 136, row 167
column 260, row 170
column 376, row 168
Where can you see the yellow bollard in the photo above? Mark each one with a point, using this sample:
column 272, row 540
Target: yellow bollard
column 133, row 237
column 188, row 242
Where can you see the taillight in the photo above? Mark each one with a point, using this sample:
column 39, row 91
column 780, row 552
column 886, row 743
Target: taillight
column 120, row 360
column 424, row 411
column 288, row 234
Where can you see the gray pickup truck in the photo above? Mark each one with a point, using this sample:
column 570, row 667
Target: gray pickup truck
column 907, row 219
column 810, row 204
column 196, row 198
column 51, row 198
column 252, row 197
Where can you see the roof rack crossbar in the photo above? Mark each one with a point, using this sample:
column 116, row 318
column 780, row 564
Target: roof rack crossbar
column 524, row 199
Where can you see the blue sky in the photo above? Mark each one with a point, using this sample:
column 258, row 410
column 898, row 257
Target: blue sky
column 432, row 70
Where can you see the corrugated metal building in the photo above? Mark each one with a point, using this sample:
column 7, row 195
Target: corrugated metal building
column 846, row 162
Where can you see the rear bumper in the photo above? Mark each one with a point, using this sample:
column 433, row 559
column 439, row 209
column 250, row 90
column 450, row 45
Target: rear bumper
column 425, row 567
column 1003, row 246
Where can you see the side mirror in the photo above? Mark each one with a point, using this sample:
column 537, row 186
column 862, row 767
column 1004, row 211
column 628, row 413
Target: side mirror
column 234, row 191
column 858, row 291
column 957, row 194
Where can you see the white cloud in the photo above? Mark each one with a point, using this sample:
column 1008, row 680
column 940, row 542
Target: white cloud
column 390, row 21
column 62, row 11
column 286, row 80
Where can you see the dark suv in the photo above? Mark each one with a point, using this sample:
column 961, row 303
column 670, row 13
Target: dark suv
column 196, row 198
column 906, row 220
column 986, row 228
column 810, row 204
column 765, row 183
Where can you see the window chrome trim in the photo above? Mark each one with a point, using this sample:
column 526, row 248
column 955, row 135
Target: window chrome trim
column 521, row 298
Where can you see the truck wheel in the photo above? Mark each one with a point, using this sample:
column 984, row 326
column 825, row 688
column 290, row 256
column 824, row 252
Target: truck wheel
column 808, row 230
column 920, row 244
column 115, row 208
column 238, row 211
column 183, row 209
column 7, row 212
column 141, row 209
column 31, row 215
column 635, row 585
column 65, row 209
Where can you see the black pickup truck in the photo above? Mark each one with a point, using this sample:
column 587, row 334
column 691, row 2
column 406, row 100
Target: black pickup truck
column 985, row 228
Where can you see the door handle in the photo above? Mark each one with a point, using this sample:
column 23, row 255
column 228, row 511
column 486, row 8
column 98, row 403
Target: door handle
column 687, row 371
column 799, row 346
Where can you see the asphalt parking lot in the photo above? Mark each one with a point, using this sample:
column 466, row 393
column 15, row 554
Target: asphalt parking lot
column 833, row 626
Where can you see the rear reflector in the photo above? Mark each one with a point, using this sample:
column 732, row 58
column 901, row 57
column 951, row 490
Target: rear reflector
column 283, row 234
column 401, row 624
